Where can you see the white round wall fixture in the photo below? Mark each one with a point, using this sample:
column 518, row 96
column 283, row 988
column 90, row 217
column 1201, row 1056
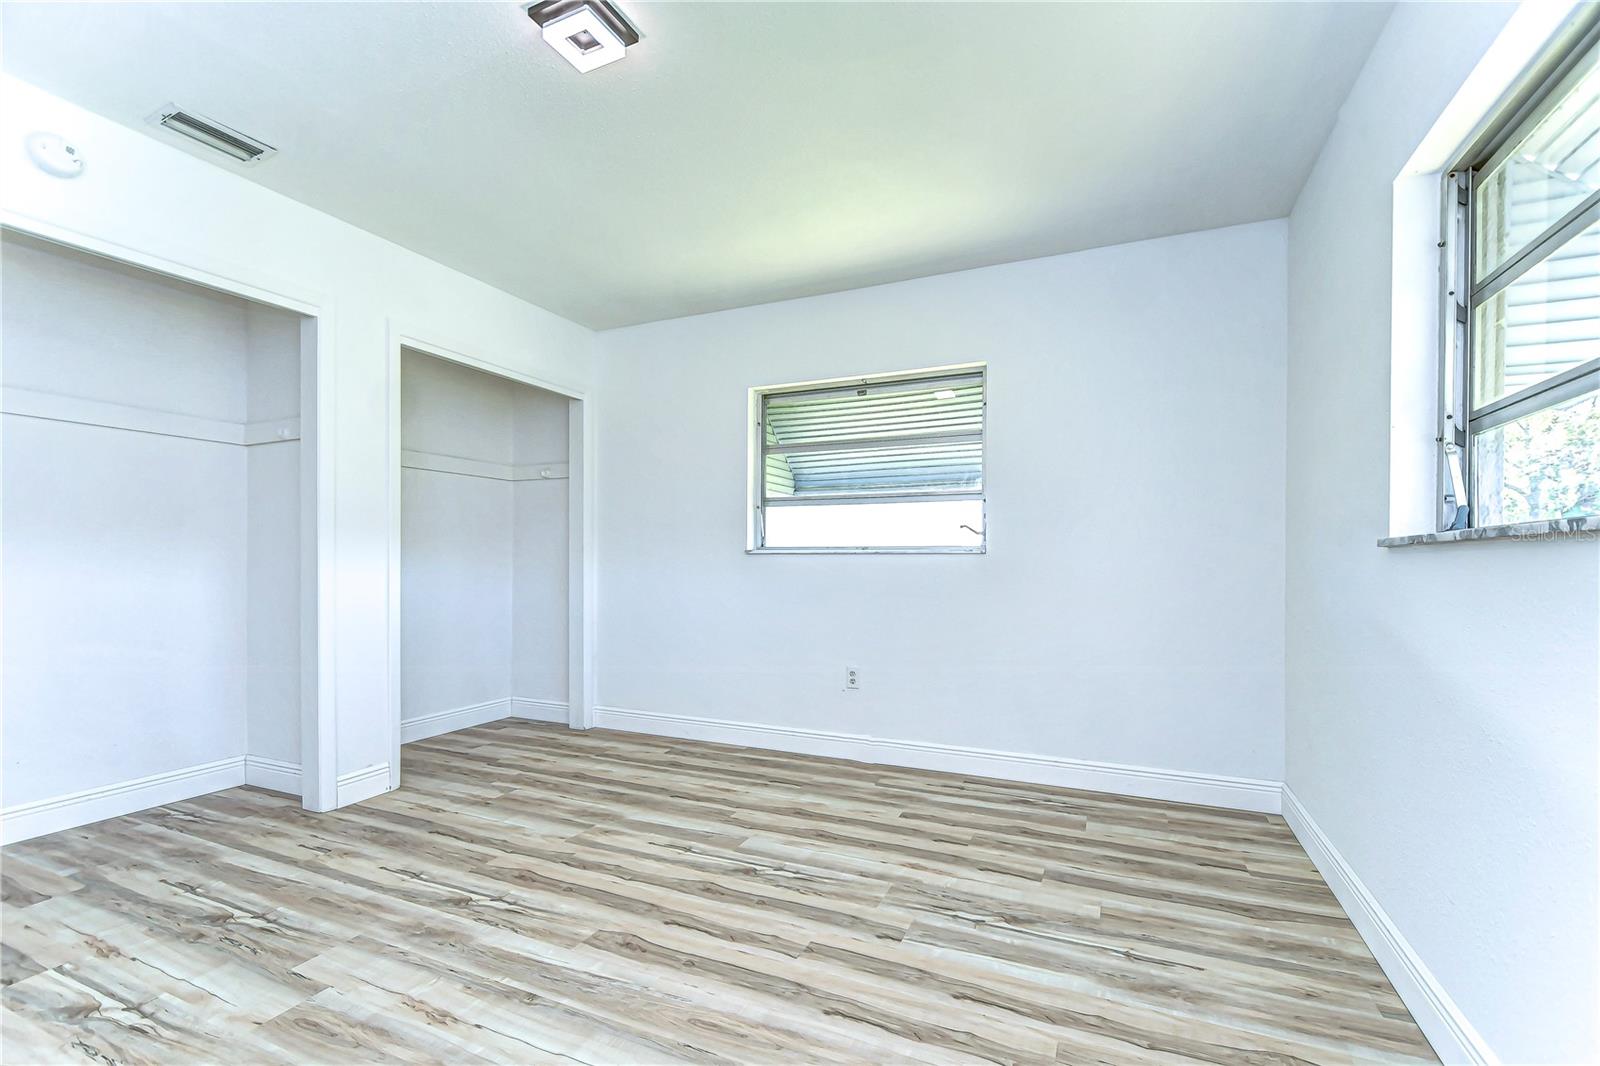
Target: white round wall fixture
column 52, row 154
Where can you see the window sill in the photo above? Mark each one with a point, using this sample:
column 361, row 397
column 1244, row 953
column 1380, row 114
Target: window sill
column 867, row 551
column 1555, row 529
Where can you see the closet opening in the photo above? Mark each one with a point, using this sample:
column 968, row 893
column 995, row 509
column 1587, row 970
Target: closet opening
column 489, row 543
column 159, row 524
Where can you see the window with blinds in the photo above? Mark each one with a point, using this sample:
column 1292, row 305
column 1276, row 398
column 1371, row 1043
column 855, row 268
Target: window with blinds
column 1520, row 422
column 891, row 463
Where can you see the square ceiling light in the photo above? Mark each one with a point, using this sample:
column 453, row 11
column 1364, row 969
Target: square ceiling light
column 587, row 33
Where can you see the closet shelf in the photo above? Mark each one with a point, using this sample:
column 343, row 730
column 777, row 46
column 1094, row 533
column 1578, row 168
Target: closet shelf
column 54, row 407
column 454, row 464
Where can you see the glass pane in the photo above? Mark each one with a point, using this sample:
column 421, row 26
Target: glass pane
column 1544, row 465
column 1547, row 321
column 938, row 524
column 1548, row 174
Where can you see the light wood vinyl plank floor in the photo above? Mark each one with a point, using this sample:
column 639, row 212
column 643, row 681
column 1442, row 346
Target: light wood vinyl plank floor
column 536, row 895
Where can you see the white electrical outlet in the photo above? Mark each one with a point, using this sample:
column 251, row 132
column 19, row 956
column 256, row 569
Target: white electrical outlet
column 852, row 677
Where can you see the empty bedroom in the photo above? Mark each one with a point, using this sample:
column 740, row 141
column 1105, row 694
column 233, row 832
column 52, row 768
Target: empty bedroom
column 626, row 532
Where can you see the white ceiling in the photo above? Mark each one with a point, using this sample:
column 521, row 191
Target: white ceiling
column 741, row 152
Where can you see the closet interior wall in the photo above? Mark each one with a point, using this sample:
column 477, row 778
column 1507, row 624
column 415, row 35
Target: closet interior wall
column 483, row 571
column 151, row 529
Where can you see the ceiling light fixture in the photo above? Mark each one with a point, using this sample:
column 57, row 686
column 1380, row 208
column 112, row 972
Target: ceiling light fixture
column 587, row 33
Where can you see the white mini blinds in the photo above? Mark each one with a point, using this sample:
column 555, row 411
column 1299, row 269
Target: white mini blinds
column 873, row 464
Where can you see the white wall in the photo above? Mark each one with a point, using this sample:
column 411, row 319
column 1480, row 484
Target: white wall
column 273, row 618
column 1441, row 699
column 153, row 201
column 457, row 592
column 484, row 560
column 539, row 555
column 77, row 325
column 122, row 640
column 128, row 568
column 1130, row 607
column 457, row 529
column 272, row 536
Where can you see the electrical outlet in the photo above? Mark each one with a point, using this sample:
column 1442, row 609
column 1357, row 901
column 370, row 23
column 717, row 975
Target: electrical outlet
column 852, row 677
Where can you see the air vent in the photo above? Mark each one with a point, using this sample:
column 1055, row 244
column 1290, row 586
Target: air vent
column 212, row 134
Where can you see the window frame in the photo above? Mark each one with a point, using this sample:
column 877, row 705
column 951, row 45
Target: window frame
column 755, row 542
column 1459, row 297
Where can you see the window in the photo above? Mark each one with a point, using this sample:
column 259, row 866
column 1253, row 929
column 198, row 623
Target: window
column 1520, row 417
column 885, row 463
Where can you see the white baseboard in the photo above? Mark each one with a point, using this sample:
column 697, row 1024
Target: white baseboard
column 1181, row 786
column 363, row 784
column 274, row 774
column 432, row 725
column 280, row 776
column 26, row 820
column 539, row 710
column 1453, row 1037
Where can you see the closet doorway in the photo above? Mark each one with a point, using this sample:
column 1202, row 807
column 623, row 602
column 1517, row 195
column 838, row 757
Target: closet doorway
column 160, row 526
column 490, row 582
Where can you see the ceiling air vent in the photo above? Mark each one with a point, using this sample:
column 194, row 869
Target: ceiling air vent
column 212, row 134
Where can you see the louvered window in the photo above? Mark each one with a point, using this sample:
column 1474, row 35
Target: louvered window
column 872, row 464
column 1520, row 421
